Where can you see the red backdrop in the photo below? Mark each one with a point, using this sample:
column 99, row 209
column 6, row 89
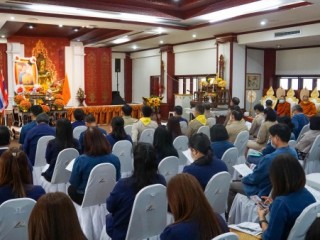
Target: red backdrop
column 98, row 78
column 3, row 61
column 54, row 46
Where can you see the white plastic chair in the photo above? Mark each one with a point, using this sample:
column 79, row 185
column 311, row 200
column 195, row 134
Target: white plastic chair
column 78, row 130
column 92, row 212
column 227, row 236
column 241, row 143
column 211, row 121
column 292, row 143
column 147, row 136
column 40, row 158
column 205, row 130
column 60, row 176
column 149, row 213
column 230, row 158
column 180, row 143
column 123, row 150
column 304, row 221
column 312, row 160
column 128, row 130
column 14, row 217
column 184, row 127
column 313, row 180
column 305, row 129
column 169, row 167
column 217, row 191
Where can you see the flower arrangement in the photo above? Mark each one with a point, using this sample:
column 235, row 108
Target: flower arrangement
column 18, row 98
column 221, row 83
column 19, row 89
column 58, row 103
column 58, row 96
column 36, row 88
column 25, row 105
column 153, row 102
column 45, row 108
column 81, row 94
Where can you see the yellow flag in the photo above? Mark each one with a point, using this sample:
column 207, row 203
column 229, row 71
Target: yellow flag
column 66, row 90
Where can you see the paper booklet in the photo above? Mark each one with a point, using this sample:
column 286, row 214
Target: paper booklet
column 243, row 169
column 247, row 227
column 70, row 165
column 187, row 153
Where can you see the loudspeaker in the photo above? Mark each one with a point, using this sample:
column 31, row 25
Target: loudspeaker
column 117, row 65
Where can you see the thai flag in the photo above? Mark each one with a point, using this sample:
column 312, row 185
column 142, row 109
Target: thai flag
column 3, row 93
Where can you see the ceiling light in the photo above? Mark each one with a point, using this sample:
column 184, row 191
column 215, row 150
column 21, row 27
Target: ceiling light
column 160, row 30
column 3, row 36
column 278, row 46
column 76, row 29
column 258, row 6
column 12, row 18
column 161, row 42
column 31, row 26
column 194, row 35
column 138, row 18
column 121, row 40
column 60, row 25
column 263, row 22
column 134, row 47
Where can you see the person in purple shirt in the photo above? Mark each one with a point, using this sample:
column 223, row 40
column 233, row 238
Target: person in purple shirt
column 31, row 140
column 120, row 201
column 16, row 178
column 205, row 165
column 118, row 133
column 194, row 219
column 79, row 118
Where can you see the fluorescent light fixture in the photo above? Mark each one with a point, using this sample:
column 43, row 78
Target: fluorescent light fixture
column 258, row 6
column 121, row 40
column 91, row 13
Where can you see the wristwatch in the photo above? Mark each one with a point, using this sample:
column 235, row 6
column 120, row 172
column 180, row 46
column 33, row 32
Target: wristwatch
column 262, row 221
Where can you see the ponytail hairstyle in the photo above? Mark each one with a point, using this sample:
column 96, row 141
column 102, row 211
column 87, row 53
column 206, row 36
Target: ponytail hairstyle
column 201, row 143
column 15, row 171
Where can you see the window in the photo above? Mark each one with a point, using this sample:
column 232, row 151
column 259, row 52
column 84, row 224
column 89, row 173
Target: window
column 284, row 83
column 295, row 83
column 318, row 84
column 298, row 82
column 307, row 83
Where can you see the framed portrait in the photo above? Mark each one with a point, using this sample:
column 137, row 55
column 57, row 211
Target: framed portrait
column 253, row 81
column 25, row 70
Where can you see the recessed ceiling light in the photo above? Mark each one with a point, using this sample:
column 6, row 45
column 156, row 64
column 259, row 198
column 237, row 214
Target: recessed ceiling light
column 278, row 46
column 31, row 26
column 3, row 36
column 161, row 42
column 121, row 40
column 134, row 47
column 194, row 35
column 78, row 40
column 12, row 18
column 76, row 29
column 60, row 25
column 263, row 22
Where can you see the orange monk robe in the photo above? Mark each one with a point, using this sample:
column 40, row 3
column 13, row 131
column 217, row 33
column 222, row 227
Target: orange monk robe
column 309, row 108
column 283, row 109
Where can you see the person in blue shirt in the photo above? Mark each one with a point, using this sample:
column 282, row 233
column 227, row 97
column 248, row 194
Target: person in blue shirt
column 79, row 118
column 258, row 182
column 35, row 110
column 16, row 177
column 118, row 133
column 219, row 140
column 120, row 201
column 194, row 219
column 288, row 199
column 178, row 111
column 205, row 165
column 97, row 150
column 90, row 121
column 31, row 140
column 64, row 139
column 299, row 120
column 4, row 139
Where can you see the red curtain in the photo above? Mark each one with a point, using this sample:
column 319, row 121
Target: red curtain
column 97, row 78
column 3, row 61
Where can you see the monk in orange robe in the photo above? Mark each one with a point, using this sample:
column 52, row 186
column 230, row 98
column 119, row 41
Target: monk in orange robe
column 283, row 107
column 309, row 108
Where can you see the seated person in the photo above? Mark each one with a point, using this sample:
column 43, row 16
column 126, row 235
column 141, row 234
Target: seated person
column 192, row 213
column 162, row 143
column 31, row 140
column 96, row 150
column 120, row 201
column 305, row 143
column 308, row 107
column 127, row 110
column 205, row 165
column 118, row 133
column 288, row 199
column 64, row 139
column 263, row 135
column 269, row 104
column 313, row 232
column 79, row 118
column 200, row 120
column 144, row 123
column 90, row 121
column 283, row 107
column 258, row 182
column 235, row 125
column 35, row 110
column 299, row 120
column 234, row 105
column 178, row 111
column 207, row 113
column 219, row 140
column 16, row 177
column 257, row 121
column 4, row 139
column 173, row 127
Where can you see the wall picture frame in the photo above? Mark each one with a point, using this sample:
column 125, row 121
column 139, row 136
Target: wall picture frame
column 253, row 81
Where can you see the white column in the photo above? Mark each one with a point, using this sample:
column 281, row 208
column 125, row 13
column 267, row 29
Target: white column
column 74, row 68
column 13, row 50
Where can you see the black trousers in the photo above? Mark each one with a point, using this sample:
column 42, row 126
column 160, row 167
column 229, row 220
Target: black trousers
column 74, row 195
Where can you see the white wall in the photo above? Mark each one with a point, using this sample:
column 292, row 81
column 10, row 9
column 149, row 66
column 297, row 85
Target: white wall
column 121, row 80
column 255, row 64
column 144, row 65
column 298, row 61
